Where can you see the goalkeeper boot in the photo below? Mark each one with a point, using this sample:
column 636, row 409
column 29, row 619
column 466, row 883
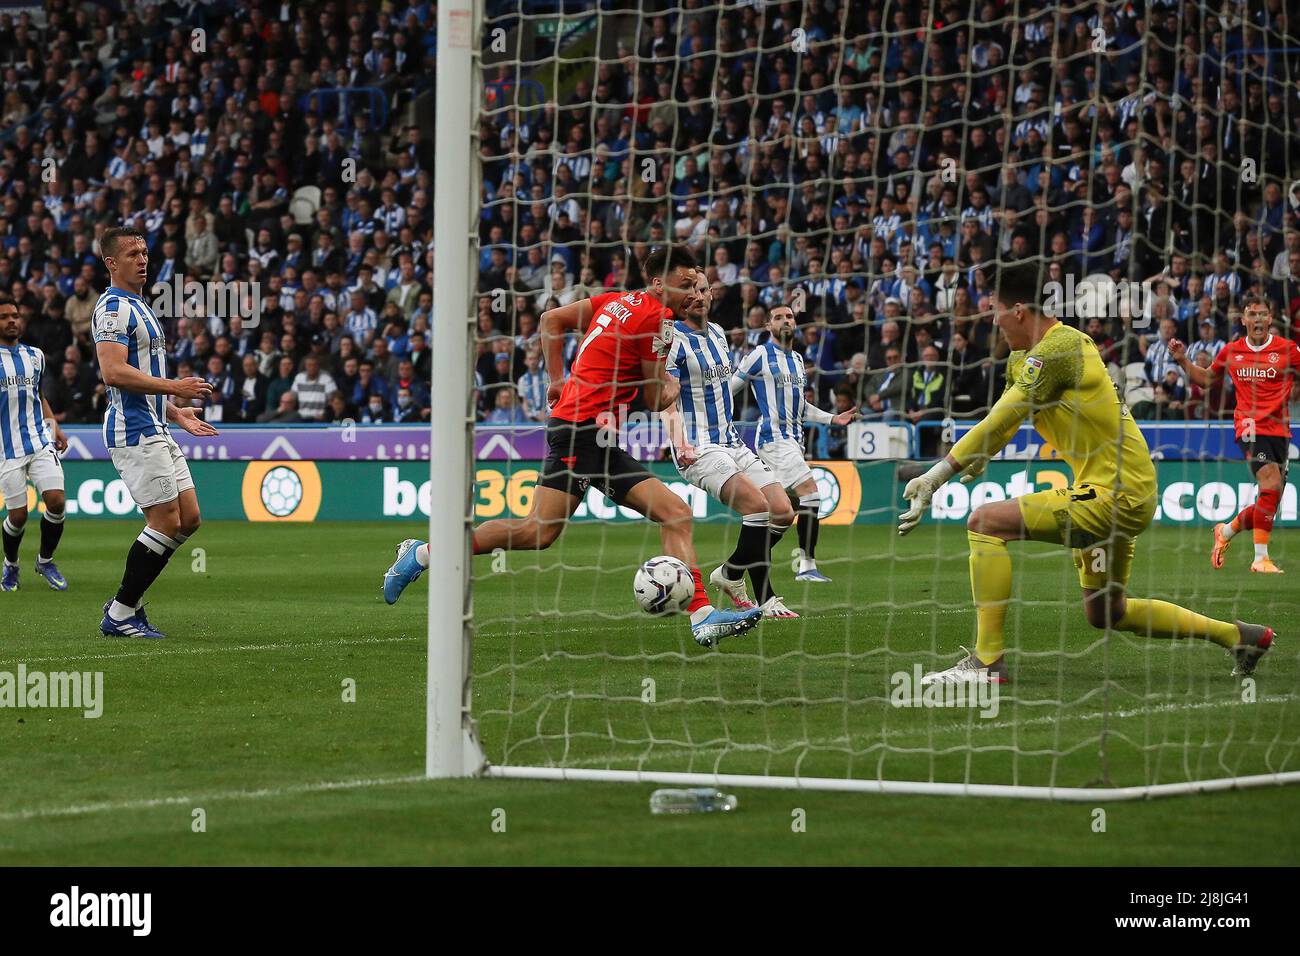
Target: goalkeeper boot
column 969, row 670
column 1265, row 566
column 1255, row 640
column 735, row 590
column 774, row 607
column 721, row 623
column 1220, row 547
column 403, row 571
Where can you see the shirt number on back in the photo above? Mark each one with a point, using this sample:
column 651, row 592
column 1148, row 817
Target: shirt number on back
column 597, row 327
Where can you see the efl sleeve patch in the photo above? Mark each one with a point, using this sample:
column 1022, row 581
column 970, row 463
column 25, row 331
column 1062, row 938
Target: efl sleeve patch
column 1056, row 367
column 662, row 343
column 110, row 327
column 1031, row 371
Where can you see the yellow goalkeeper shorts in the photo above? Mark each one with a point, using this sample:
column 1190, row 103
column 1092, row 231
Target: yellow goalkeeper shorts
column 1100, row 527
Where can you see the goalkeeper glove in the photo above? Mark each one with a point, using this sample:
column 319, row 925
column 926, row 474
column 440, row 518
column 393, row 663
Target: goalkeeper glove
column 919, row 491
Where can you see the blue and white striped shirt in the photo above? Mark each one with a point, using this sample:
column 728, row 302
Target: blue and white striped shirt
column 701, row 361
column 361, row 324
column 778, row 378
column 391, row 219
column 125, row 318
column 22, row 424
column 532, row 389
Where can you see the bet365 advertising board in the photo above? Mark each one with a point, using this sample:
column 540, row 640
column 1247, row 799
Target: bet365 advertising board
column 1191, row 493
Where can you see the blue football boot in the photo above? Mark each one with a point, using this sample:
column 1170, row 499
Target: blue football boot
column 404, row 570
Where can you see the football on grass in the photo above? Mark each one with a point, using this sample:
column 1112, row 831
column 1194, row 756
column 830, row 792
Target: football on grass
column 663, row 585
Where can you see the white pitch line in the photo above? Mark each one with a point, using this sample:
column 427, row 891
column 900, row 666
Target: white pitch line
column 76, row 810
column 174, row 651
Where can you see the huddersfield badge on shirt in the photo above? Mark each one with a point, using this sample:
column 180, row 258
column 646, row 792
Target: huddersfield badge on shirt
column 1033, row 368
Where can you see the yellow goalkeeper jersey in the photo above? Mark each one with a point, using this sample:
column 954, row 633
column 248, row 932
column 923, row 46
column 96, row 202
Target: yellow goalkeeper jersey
column 1062, row 386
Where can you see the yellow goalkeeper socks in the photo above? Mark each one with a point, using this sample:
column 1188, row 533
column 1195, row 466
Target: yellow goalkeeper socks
column 1162, row 619
column 990, row 585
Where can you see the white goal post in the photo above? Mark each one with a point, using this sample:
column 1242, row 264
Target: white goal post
column 451, row 749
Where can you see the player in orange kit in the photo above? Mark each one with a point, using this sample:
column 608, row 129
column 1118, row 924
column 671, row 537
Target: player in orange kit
column 627, row 336
column 1263, row 368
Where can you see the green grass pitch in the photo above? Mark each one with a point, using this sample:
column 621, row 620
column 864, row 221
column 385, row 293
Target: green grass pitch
column 240, row 712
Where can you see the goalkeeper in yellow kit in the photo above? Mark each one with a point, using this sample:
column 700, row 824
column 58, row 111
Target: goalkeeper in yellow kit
column 1056, row 378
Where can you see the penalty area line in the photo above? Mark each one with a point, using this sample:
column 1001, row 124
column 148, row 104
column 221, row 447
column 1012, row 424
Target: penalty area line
column 173, row 651
column 84, row 809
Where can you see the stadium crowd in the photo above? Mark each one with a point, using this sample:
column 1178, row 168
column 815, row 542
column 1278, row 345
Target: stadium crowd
column 873, row 163
column 250, row 143
column 870, row 163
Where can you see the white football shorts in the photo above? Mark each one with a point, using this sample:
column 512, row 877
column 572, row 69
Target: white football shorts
column 43, row 468
column 716, row 464
column 785, row 457
column 155, row 471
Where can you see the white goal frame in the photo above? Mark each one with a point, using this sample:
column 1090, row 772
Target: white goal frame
column 452, row 747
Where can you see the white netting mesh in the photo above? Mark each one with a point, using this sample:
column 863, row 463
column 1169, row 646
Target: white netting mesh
column 873, row 164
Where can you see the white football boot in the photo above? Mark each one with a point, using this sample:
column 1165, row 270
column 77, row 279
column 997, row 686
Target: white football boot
column 735, row 590
column 969, row 670
column 774, row 607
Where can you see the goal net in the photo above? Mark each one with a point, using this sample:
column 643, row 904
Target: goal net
column 873, row 165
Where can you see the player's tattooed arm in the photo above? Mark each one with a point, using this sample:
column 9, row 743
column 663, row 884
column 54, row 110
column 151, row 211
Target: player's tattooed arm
column 117, row 372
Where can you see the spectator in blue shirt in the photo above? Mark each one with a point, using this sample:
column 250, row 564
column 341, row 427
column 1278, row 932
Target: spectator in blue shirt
column 507, row 410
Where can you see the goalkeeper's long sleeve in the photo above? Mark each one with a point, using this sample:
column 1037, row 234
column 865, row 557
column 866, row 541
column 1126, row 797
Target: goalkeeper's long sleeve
column 991, row 435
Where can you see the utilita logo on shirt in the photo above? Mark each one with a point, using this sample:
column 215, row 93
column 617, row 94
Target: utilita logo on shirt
column 1252, row 371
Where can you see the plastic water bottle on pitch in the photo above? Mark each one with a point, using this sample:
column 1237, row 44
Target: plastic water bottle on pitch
column 692, row 800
